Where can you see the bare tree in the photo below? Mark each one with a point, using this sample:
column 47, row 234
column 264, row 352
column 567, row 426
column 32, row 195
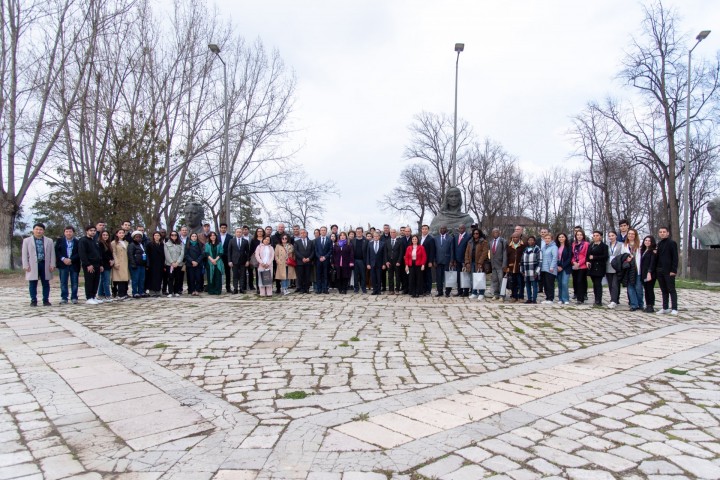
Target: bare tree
column 415, row 194
column 303, row 202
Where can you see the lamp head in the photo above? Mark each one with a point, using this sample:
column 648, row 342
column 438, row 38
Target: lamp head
column 214, row 48
column 702, row 35
column 459, row 47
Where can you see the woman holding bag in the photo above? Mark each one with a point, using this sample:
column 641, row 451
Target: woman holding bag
column 476, row 253
column 285, row 260
column 264, row 254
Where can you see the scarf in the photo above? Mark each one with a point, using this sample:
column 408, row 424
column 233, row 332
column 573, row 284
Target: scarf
column 342, row 243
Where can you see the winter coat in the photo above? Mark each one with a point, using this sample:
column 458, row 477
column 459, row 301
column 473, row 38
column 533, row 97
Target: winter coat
column 549, row 258
column 194, row 253
column 531, row 261
column 136, row 250
column 29, row 258
column 281, row 257
column 667, row 256
column 648, row 263
column 343, row 259
column 174, row 253
column 477, row 253
column 120, row 269
column 612, row 253
column 514, row 257
column 579, row 253
column 598, row 264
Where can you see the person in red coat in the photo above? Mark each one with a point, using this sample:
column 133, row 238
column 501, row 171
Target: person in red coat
column 415, row 260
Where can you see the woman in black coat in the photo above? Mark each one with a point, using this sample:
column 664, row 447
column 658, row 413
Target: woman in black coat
column 156, row 264
column 648, row 261
column 343, row 262
column 194, row 258
column 597, row 256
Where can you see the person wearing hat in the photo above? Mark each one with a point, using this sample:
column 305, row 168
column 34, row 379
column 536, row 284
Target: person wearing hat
column 38, row 261
column 91, row 262
column 137, row 259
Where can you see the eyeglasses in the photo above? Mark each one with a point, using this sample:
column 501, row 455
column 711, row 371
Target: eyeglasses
column 284, row 239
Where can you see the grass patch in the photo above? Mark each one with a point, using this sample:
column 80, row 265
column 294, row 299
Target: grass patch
column 544, row 325
column 296, row 395
column 695, row 285
column 363, row 417
column 160, row 345
column 344, row 344
column 209, row 357
column 675, row 371
column 558, row 329
column 518, row 330
column 354, row 339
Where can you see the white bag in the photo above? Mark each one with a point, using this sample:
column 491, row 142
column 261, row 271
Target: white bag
column 503, row 287
column 352, row 279
column 450, row 279
column 478, row 281
column 465, row 279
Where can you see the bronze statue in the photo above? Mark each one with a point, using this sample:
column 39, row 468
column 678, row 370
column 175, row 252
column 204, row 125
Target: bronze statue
column 450, row 214
column 709, row 235
column 194, row 214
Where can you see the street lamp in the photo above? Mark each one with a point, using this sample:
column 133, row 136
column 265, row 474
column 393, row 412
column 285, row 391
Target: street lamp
column 225, row 167
column 686, row 168
column 459, row 47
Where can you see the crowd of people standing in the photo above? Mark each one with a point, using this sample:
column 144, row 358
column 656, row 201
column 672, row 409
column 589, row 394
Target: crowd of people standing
column 126, row 263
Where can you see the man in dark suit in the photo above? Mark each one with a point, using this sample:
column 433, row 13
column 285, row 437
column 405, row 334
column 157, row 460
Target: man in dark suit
column 304, row 256
column 375, row 261
column 406, row 234
column 67, row 257
column 385, row 238
column 393, row 262
column 460, row 243
column 359, row 248
column 444, row 250
column 323, row 256
column 224, row 238
column 498, row 260
column 428, row 243
column 238, row 260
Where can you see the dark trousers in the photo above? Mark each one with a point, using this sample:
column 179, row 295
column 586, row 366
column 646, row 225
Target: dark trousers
column 541, row 282
column 33, row 284
column 194, row 278
column 415, row 280
column 92, row 281
column 580, row 284
column 359, row 270
column 667, row 287
column 613, row 286
column 516, row 282
column 440, row 278
column 384, row 280
column 427, row 279
column 394, row 281
column 121, row 288
column 461, row 290
column 649, row 288
column 175, row 280
column 166, row 284
column 548, row 280
column 224, row 258
column 303, row 276
column 376, row 274
column 404, row 279
column 251, row 271
column 321, row 275
column 238, row 275
column 597, row 289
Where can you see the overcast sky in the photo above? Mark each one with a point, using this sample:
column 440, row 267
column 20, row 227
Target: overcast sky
column 365, row 68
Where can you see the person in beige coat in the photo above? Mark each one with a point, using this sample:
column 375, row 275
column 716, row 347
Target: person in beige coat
column 120, row 269
column 284, row 271
column 38, row 261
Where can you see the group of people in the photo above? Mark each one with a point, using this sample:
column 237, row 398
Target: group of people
column 386, row 260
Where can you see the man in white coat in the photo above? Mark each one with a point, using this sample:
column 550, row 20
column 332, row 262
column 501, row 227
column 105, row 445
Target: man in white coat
column 38, row 261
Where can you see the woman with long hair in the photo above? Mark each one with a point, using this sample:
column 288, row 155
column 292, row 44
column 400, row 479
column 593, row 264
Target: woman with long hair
column 648, row 262
column 120, row 270
column 174, row 263
column 256, row 241
column 343, row 262
column 214, row 266
column 107, row 263
column 264, row 254
column 579, row 266
column 612, row 276
column 476, row 253
column 634, row 278
column 194, row 256
column 332, row 273
column 156, row 264
column 415, row 260
column 564, row 267
column 284, row 257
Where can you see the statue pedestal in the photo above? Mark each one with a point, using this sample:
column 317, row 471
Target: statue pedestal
column 705, row 265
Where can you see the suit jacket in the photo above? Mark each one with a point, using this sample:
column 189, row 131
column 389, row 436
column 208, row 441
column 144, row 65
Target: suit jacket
column 429, row 246
column 393, row 253
column 226, row 244
column 61, row 252
column 302, row 252
column 323, row 250
column 404, row 243
column 498, row 258
column 375, row 259
column 444, row 253
column 238, row 255
column 460, row 244
column 359, row 247
column 420, row 256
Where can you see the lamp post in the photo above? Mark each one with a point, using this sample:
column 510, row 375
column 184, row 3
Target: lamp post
column 686, row 168
column 459, row 47
column 225, row 167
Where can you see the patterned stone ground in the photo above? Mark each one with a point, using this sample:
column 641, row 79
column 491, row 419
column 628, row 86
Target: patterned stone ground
column 393, row 387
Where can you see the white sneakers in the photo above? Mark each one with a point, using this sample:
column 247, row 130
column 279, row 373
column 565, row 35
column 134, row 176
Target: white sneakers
column 481, row 298
column 612, row 305
column 667, row 310
column 473, row 296
column 673, row 312
column 93, row 301
column 548, row 302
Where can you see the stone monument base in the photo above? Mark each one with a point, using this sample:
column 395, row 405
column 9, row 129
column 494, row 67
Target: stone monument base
column 705, row 265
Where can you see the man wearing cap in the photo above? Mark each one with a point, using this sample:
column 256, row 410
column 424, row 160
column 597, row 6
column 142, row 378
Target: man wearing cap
column 38, row 261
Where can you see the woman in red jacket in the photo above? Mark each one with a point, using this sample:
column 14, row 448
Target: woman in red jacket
column 415, row 260
column 579, row 266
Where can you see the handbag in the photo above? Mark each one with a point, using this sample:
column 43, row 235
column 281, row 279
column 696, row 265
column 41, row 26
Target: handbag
column 487, row 266
column 266, row 278
column 450, row 279
column 503, row 286
column 465, row 279
column 254, row 262
column 291, row 262
column 478, row 281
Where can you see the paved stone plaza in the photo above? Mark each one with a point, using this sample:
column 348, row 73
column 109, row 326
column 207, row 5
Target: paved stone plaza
column 357, row 387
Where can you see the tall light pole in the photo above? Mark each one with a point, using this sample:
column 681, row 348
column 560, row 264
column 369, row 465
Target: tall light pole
column 686, row 168
column 459, row 47
column 225, row 168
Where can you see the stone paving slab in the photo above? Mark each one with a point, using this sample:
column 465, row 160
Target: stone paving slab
column 393, row 388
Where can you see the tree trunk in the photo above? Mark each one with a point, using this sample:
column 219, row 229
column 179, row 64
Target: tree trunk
column 8, row 214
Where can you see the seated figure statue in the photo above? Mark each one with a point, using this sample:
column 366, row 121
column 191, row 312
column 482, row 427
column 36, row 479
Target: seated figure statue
column 709, row 235
column 450, row 214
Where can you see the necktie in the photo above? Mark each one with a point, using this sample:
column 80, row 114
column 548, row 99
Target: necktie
column 494, row 245
column 304, row 243
column 322, row 242
column 392, row 243
column 376, row 247
column 442, row 239
column 239, row 242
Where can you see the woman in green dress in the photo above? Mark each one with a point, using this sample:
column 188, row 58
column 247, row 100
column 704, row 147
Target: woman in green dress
column 215, row 268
